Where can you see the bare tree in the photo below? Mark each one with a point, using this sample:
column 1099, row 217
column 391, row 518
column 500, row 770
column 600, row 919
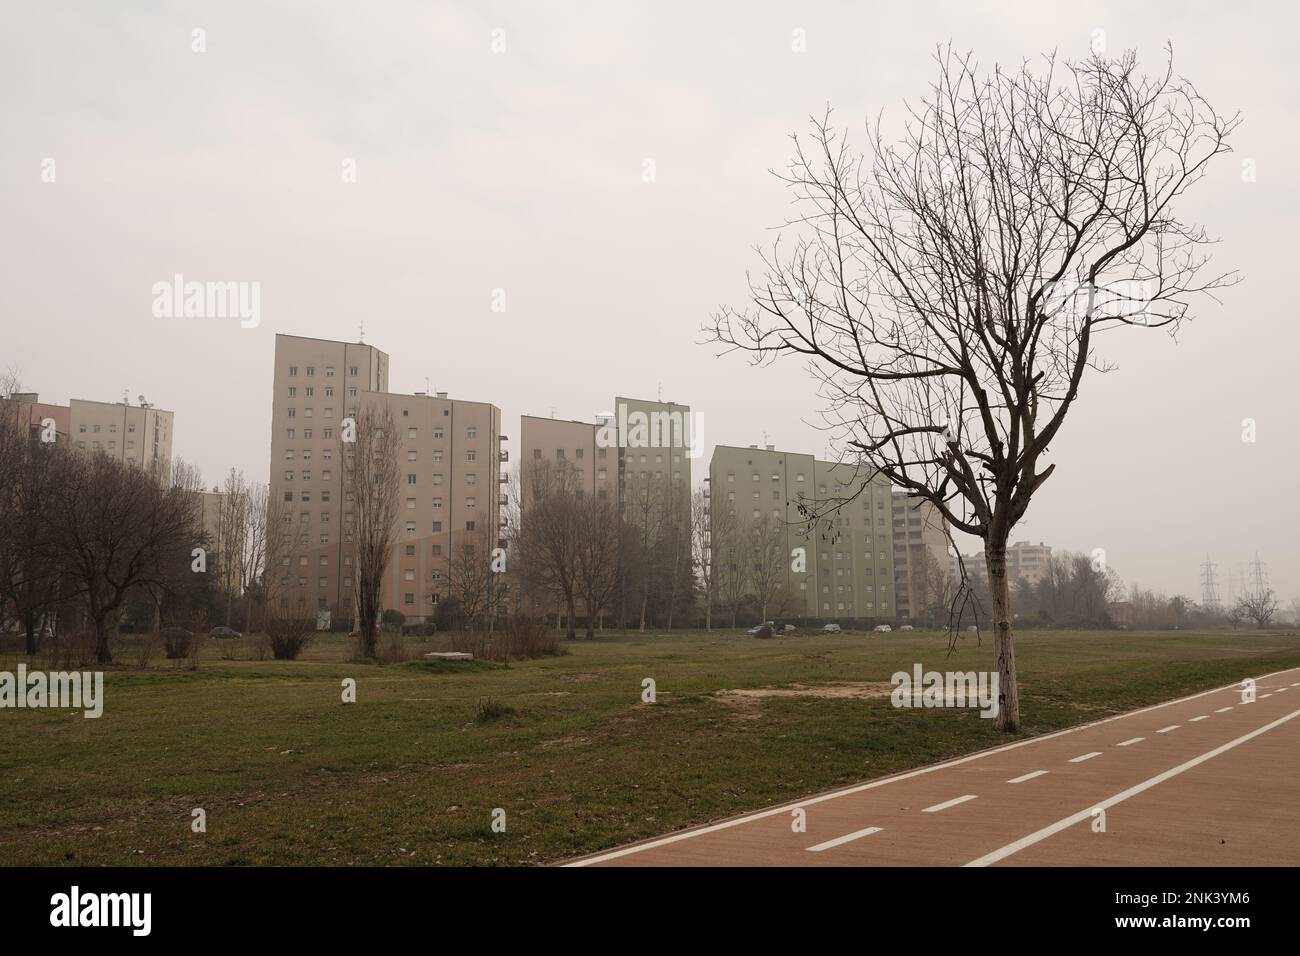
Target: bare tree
column 598, row 537
column 231, row 536
column 947, row 288
column 372, row 468
column 702, row 551
column 119, row 531
column 548, row 534
column 764, row 544
column 730, row 565
column 30, row 558
column 253, row 556
column 1257, row 606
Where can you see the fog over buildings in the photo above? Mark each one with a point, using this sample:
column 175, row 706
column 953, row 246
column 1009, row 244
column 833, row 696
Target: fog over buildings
column 549, row 201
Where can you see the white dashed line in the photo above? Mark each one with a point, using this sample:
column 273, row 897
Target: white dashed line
column 1134, row 740
column 1282, row 690
column 1027, row 776
column 1202, row 717
column 1081, row 759
column 1165, row 730
column 949, row 803
column 1263, row 696
column 1039, row 835
column 847, row 838
column 1222, row 709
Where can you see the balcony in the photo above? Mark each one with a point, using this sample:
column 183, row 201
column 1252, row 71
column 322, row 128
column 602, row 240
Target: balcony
column 503, row 438
column 503, row 455
column 503, row 500
column 503, row 479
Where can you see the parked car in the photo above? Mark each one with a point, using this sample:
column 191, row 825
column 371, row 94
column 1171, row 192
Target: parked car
column 882, row 628
column 224, row 632
column 831, row 628
column 971, row 627
column 788, row 628
column 760, row 630
column 906, row 627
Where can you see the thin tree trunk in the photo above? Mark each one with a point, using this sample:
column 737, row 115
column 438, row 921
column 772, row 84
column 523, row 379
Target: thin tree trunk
column 1008, row 717
column 571, row 632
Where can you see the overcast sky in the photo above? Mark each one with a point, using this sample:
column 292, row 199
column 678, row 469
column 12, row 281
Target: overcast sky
column 522, row 170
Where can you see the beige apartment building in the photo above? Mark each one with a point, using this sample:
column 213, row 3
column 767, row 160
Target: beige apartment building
column 1025, row 562
column 135, row 434
column 848, row 557
column 576, row 445
column 451, row 481
column 139, row 435
column 920, row 555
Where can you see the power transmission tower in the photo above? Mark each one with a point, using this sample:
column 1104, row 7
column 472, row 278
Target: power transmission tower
column 1209, row 590
column 1260, row 575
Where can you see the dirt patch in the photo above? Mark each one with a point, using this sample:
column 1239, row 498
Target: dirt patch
column 846, row 690
column 580, row 677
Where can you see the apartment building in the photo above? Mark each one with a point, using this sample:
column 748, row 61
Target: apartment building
column 576, row 445
column 920, row 555
column 654, row 441
column 450, row 486
column 1025, row 562
column 139, row 435
column 135, row 434
column 28, row 411
column 848, row 556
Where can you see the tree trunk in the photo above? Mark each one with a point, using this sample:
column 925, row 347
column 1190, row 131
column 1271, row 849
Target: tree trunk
column 572, row 613
column 1008, row 717
column 103, row 654
column 30, row 630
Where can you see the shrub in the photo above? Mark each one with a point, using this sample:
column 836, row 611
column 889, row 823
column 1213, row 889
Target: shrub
column 490, row 709
column 177, row 642
column 287, row 636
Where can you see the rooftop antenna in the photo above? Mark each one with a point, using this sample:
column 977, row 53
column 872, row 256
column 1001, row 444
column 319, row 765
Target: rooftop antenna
column 426, row 385
column 552, row 411
column 361, row 331
column 661, row 391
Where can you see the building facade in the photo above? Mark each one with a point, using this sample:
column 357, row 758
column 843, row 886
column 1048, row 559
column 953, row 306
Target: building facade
column 920, row 556
column 450, row 484
column 845, row 570
column 1025, row 562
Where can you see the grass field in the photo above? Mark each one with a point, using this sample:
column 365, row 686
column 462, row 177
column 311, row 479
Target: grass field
column 411, row 773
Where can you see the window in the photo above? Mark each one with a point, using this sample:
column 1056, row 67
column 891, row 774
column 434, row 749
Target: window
column 437, row 432
column 352, row 370
column 437, row 527
column 329, row 371
column 410, row 433
column 410, row 479
column 537, row 454
column 311, row 371
column 293, row 371
column 469, row 526
column 471, row 432
column 579, row 452
column 410, row 504
column 437, row 550
column 471, row 456
column 293, row 413
column 410, row 527
column 437, row 504
column 411, row 455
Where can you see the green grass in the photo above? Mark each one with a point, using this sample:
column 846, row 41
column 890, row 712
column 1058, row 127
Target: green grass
column 412, row 772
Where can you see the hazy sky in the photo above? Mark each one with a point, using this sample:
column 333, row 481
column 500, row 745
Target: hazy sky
column 522, row 171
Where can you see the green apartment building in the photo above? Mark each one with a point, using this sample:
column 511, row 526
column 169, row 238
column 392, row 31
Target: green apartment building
column 848, row 555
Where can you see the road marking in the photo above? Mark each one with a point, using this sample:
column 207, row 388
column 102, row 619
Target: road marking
column 1262, row 696
column 848, row 837
column 949, row 803
column 1222, row 709
column 1086, row 814
column 1202, row 717
column 785, row 808
column 1081, row 759
column 1027, row 776
column 1165, row 730
column 1135, row 740
column 1282, row 690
